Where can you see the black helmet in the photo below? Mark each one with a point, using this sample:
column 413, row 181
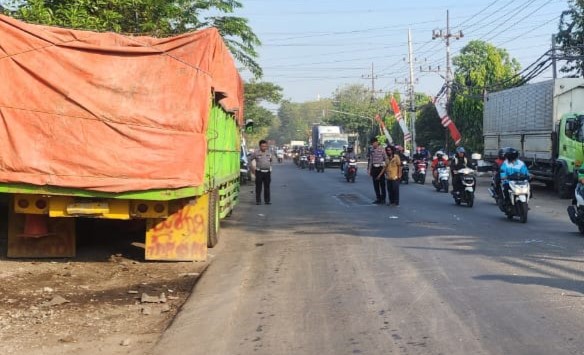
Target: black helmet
column 460, row 150
column 350, row 148
column 511, row 154
column 501, row 153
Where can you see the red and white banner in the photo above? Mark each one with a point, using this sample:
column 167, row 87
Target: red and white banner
column 440, row 104
column 400, row 120
column 384, row 129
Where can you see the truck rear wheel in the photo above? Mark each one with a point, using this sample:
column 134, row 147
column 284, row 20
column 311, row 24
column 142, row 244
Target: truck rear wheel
column 213, row 231
column 562, row 187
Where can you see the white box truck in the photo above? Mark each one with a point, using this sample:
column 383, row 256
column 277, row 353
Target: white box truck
column 544, row 122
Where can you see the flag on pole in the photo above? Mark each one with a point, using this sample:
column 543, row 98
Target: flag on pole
column 440, row 104
column 384, row 129
column 400, row 120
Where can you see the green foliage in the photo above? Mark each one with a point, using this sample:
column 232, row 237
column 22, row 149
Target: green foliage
column 358, row 111
column 153, row 17
column 429, row 130
column 479, row 67
column 570, row 38
column 296, row 120
column 257, row 93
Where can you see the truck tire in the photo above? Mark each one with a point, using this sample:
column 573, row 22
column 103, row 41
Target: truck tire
column 213, row 229
column 563, row 189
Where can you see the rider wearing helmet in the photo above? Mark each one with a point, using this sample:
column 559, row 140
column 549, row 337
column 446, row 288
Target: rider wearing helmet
column 399, row 150
column 349, row 154
column 496, row 190
column 419, row 156
column 439, row 157
column 511, row 165
column 319, row 152
column 500, row 159
column 460, row 161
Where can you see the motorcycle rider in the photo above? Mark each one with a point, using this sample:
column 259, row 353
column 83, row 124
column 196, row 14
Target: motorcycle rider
column 510, row 166
column 439, row 157
column 496, row 189
column 400, row 152
column 460, row 161
column 419, row 155
column 349, row 154
column 319, row 152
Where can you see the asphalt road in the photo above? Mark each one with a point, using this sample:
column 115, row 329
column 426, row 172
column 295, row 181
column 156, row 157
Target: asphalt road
column 322, row 271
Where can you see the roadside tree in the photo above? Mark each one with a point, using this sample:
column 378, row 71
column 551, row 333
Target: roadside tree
column 153, row 17
column 479, row 67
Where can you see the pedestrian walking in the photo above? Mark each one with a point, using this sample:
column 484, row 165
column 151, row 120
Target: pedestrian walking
column 263, row 172
column 393, row 173
column 377, row 158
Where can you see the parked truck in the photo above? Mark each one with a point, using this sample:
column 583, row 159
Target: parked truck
column 332, row 140
column 108, row 126
column 544, row 122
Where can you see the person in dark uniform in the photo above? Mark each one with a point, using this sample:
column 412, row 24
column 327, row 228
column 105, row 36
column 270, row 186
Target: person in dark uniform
column 263, row 172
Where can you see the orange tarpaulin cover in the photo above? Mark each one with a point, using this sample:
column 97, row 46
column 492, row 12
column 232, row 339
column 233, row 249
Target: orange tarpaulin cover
column 108, row 112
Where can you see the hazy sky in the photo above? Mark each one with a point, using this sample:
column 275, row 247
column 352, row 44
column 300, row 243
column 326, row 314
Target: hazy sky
column 311, row 47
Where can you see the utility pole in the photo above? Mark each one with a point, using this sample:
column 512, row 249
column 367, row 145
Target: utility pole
column 447, row 36
column 554, row 69
column 372, row 76
column 411, row 91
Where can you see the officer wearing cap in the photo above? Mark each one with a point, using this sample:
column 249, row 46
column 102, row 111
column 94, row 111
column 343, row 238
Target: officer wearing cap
column 263, row 172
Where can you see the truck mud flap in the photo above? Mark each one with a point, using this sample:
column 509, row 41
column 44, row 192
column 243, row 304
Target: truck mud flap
column 182, row 236
column 39, row 236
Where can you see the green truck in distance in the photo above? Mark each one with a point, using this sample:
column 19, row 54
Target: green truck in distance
column 333, row 142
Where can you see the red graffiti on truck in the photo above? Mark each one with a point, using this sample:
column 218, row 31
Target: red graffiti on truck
column 181, row 236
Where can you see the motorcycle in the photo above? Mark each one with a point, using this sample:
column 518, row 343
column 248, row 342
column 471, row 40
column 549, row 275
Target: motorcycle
column 576, row 211
column 280, row 157
column 517, row 203
column 311, row 162
column 244, row 172
column 303, row 161
column 468, row 180
column 351, row 170
column 419, row 174
column 320, row 165
column 495, row 191
column 405, row 172
column 441, row 182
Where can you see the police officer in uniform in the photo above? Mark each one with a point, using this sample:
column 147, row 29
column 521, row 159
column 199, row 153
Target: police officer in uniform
column 263, row 172
column 377, row 158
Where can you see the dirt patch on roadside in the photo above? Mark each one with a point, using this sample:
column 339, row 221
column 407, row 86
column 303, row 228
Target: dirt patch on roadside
column 107, row 300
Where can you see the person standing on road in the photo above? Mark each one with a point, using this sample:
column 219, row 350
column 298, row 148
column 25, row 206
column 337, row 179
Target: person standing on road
column 393, row 171
column 377, row 158
column 263, row 172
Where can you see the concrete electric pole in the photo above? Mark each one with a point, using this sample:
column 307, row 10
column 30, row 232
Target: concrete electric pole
column 372, row 76
column 411, row 91
column 446, row 36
